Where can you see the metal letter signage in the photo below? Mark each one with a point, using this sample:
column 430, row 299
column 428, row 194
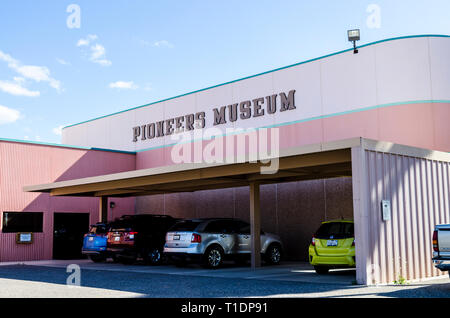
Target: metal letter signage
column 247, row 109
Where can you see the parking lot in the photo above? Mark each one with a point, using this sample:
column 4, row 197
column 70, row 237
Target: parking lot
column 49, row 279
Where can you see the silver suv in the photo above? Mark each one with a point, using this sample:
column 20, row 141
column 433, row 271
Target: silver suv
column 212, row 240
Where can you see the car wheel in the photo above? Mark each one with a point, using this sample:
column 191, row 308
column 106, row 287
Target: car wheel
column 115, row 258
column 273, row 254
column 96, row 258
column 213, row 257
column 321, row 270
column 153, row 256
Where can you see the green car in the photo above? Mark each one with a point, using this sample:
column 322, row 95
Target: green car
column 333, row 246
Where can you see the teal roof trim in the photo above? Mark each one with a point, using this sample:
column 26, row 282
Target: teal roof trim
column 49, row 144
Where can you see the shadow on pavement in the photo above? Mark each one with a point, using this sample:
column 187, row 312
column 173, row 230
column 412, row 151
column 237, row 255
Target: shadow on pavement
column 174, row 286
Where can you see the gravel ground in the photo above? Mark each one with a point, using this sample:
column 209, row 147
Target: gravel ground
column 42, row 282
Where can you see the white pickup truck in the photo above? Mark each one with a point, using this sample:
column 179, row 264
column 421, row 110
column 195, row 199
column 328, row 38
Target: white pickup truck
column 441, row 247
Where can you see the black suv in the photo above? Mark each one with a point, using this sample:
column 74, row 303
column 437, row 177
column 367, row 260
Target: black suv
column 139, row 236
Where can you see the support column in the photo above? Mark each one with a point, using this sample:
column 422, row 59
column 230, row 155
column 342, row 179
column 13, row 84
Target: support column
column 103, row 209
column 361, row 217
column 255, row 225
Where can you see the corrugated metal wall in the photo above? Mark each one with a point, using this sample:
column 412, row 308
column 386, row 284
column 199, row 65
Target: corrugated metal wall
column 24, row 164
column 292, row 210
column 418, row 191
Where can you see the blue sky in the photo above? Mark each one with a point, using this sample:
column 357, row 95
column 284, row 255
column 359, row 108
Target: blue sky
column 129, row 53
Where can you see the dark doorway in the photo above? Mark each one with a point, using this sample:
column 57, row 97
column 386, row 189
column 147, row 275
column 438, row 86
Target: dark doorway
column 68, row 233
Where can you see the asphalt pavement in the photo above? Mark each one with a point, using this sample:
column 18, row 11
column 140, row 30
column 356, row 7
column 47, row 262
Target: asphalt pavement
column 55, row 279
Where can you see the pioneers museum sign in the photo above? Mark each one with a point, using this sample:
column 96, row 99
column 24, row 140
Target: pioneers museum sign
column 239, row 111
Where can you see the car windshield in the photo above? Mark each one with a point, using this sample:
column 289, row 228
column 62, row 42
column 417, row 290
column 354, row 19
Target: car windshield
column 336, row 230
column 185, row 226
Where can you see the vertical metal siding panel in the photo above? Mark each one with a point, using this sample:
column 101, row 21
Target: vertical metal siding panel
column 380, row 183
column 406, row 218
column 437, row 214
column 419, row 226
column 446, row 180
column 436, row 189
column 395, row 215
column 407, row 213
column 416, row 236
column 432, row 198
column 428, row 219
column 401, row 216
column 426, row 213
column 371, row 182
column 361, row 208
column 430, row 201
column 440, row 191
column 389, row 268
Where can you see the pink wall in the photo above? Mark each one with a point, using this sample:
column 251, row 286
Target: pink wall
column 418, row 191
column 24, row 164
column 423, row 125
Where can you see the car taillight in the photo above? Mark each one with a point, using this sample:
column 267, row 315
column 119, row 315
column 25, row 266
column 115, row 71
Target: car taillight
column 435, row 241
column 130, row 236
column 196, row 238
column 313, row 241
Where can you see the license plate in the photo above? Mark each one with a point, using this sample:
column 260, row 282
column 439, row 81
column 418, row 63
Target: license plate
column 117, row 239
column 91, row 239
column 176, row 237
column 332, row 243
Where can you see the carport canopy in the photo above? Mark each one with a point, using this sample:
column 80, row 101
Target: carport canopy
column 317, row 161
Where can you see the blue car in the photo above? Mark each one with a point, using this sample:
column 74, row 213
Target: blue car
column 94, row 242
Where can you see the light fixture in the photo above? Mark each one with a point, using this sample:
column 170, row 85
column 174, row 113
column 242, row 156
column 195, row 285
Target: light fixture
column 112, row 205
column 353, row 36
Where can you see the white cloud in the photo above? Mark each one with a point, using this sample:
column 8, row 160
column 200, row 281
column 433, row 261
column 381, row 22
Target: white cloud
column 12, row 62
column 62, row 62
column 123, row 85
column 58, row 130
column 19, row 80
column 86, row 41
column 17, row 89
column 8, row 115
column 97, row 52
column 38, row 74
column 32, row 72
column 163, row 43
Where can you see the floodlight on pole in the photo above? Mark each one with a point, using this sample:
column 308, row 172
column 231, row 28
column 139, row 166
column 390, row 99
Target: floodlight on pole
column 353, row 36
